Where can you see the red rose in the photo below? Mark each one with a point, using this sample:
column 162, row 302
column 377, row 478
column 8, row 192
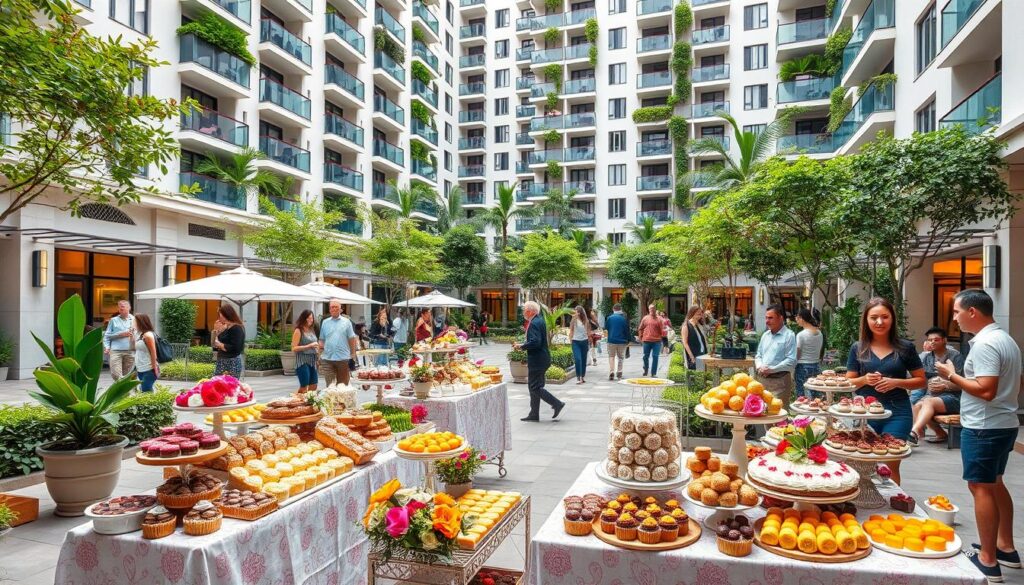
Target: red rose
column 817, row 454
column 781, row 447
column 211, row 397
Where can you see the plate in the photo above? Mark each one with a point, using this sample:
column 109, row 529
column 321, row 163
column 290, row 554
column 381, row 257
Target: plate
column 952, row 549
column 692, row 536
column 211, row 409
column 764, row 491
column 201, row 456
column 642, row 486
column 736, row 508
column 797, row 554
column 806, row 412
column 867, row 415
column 738, row 418
column 817, row 388
column 431, row 456
column 647, row 382
column 358, row 382
column 119, row 524
column 867, row 457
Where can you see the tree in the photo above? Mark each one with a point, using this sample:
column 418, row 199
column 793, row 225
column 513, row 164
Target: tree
column 645, row 231
column 450, row 211
column 587, row 244
column 717, row 236
column 177, row 320
column 636, row 268
column 686, row 266
column 412, row 196
column 400, row 254
column 558, row 205
column 301, row 239
column 240, row 172
column 547, row 258
column 754, row 149
column 77, row 124
column 463, row 258
column 499, row 217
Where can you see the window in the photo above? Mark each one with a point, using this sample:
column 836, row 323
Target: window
column 616, row 6
column 617, row 208
column 449, row 43
column 755, row 57
column 447, row 161
column 132, row 13
column 616, row 108
column 924, row 119
column 501, row 49
column 449, row 12
column 447, row 132
column 617, row 141
column 617, row 238
column 498, row 185
column 501, row 133
column 501, row 158
column 617, row 74
column 755, row 128
column 755, row 16
column 501, row 106
column 447, row 188
column 617, row 38
column 449, row 73
column 755, row 97
column 616, row 175
column 501, row 78
column 926, row 45
column 501, row 18
column 448, row 103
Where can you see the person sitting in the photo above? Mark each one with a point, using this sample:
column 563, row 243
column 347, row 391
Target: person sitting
column 941, row 396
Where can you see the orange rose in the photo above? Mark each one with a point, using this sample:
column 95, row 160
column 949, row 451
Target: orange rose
column 441, row 498
column 385, row 492
column 447, row 520
column 369, row 512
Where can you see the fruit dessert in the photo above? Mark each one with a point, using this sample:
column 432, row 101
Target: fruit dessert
column 844, row 405
column 181, row 493
column 812, row 532
column 741, row 396
column 204, row 518
column 158, row 523
column 245, row 504
column 431, row 442
column 217, row 391
column 735, row 536
column 800, row 466
column 941, row 502
column 486, row 509
column 909, row 533
column 716, row 482
column 754, row 451
column 288, row 408
column 830, row 379
column 874, row 406
column 240, row 415
column 123, row 505
column 331, row 432
column 643, row 447
column 785, row 428
column 245, row 448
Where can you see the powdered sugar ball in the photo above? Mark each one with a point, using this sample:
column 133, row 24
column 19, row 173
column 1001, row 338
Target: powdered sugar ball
column 626, row 426
column 618, row 438
column 652, row 441
column 613, row 454
column 673, row 469
column 659, row 473
column 641, row 473
column 663, row 426
column 624, row 472
column 661, row 457
column 612, row 468
column 633, row 441
column 644, row 427
column 625, row 455
column 642, row 457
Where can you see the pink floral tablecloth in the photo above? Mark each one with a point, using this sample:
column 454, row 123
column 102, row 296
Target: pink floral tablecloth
column 557, row 558
column 315, row 541
column 482, row 417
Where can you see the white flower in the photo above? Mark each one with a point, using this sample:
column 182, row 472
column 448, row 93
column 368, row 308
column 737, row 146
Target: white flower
column 195, row 400
column 403, row 495
column 429, row 540
column 231, row 399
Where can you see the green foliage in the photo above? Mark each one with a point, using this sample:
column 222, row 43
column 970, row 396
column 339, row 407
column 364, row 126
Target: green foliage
column 679, row 130
column 552, row 136
column 177, row 320
column 554, row 373
column 422, row 72
column 839, row 106
column 554, row 170
column 683, row 18
column 262, row 359
column 636, row 268
column 834, row 50
column 591, row 30
column 401, row 255
column 421, row 113
column 651, row 114
column 463, row 257
column 418, row 34
column 22, row 429
column 682, row 58
column 145, row 413
column 830, row 7
column 516, row 355
column 552, row 35
column 419, row 151
column 7, row 516
column 814, row 64
column 383, row 42
column 6, row 349
column 221, row 34
column 592, row 55
column 203, row 354
column 881, row 82
column 672, row 100
column 553, row 73
column 844, row 329
column 754, row 149
column 460, row 469
column 692, row 384
column 175, row 370
column 547, row 258
column 552, row 6
column 298, row 238
column 561, row 356
column 552, row 100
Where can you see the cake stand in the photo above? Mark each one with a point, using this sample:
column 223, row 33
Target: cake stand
column 216, row 411
column 372, row 353
column 428, row 460
column 239, row 428
column 641, row 486
column 184, row 463
column 428, row 354
column 864, row 464
column 738, row 448
column 802, row 503
column 380, row 384
column 645, row 395
column 720, row 512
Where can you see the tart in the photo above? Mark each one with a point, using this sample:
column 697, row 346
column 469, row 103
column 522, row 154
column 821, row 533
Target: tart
column 626, row 527
column 245, row 504
column 180, row 494
column 158, row 523
column 669, row 528
column 204, row 518
column 649, row 532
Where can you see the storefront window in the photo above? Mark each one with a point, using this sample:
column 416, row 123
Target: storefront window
column 490, row 301
column 948, row 278
column 719, row 299
column 101, row 280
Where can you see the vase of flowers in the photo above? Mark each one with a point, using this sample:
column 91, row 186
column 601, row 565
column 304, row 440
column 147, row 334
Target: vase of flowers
column 413, row 523
column 422, row 380
column 457, row 473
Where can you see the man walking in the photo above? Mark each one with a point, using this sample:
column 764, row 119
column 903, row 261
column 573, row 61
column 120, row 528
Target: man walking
column 775, row 359
column 119, row 341
column 988, row 415
column 337, row 345
column 617, row 327
column 650, row 333
column 538, row 360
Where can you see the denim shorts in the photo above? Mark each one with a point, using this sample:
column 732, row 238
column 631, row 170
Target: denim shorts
column 917, row 395
column 984, row 453
column 307, row 374
column 901, row 421
column 951, row 400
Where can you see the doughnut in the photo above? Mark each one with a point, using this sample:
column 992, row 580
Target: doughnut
column 642, row 457
column 625, row 455
column 641, row 473
column 659, row 473
column 618, row 438
column 652, row 441
column 660, row 456
column 633, row 441
column 624, row 472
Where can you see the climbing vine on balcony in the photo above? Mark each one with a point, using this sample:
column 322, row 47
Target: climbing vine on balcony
column 418, row 34
column 553, row 73
column 383, row 42
column 651, row 114
column 683, row 18
column 421, row 112
column 834, row 47
column 830, row 8
column 840, row 105
column 552, row 6
column 422, row 73
column 682, row 61
column 419, row 151
column 221, row 34
column 552, row 35
column 552, row 135
column 679, row 130
column 554, row 170
column 552, row 100
column 590, row 30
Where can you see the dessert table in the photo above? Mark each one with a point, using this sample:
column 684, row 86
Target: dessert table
column 482, row 417
column 314, row 541
column 559, row 559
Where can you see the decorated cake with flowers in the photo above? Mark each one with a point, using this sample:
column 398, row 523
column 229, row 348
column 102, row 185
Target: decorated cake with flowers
column 800, row 467
column 223, row 390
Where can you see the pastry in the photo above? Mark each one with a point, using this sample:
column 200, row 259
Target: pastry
column 844, row 405
column 626, row 527
column 804, row 476
column 702, row 453
column 245, row 504
column 735, row 536
column 576, row 524
column 122, row 505
column 643, row 443
column 649, row 532
column 669, row 528
column 204, row 518
column 177, row 493
column 158, row 523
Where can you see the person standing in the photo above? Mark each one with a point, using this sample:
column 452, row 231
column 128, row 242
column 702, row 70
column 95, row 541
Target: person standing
column 380, row 335
column 579, row 331
column 988, row 414
column 147, row 367
column 483, row 326
column 616, row 326
column 595, row 336
column 400, row 329
column 424, row 326
column 940, row 396
column 650, row 334
column 119, row 341
column 884, row 366
column 337, row 341
column 776, row 354
column 666, row 329
column 692, row 334
column 538, row 360
column 228, row 342
column 809, row 346
column 305, row 345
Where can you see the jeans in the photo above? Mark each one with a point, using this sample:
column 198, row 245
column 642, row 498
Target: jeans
column 579, row 356
column 307, row 375
column 802, row 373
column 901, row 421
column 381, row 360
column 147, row 379
column 651, row 351
column 535, row 382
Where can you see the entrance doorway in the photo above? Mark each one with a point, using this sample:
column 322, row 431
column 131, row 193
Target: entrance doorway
column 101, row 280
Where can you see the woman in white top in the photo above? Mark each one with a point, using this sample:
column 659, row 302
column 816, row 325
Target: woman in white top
column 809, row 345
column 146, row 365
column 579, row 332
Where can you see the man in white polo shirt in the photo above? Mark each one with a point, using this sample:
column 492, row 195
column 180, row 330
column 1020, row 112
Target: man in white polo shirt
column 988, row 415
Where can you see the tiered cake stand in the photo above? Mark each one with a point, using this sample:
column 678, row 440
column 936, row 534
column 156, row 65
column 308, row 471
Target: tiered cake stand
column 447, row 352
column 217, row 412
column 829, row 392
column 719, row 512
column 380, row 384
column 738, row 447
column 864, row 463
column 428, row 460
column 184, row 463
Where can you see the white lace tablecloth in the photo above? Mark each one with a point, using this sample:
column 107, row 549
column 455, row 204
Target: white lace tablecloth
column 316, row 541
column 482, row 417
column 557, row 559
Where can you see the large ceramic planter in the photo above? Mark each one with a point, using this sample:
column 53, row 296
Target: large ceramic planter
column 3, row 373
column 288, row 362
column 456, row 490
column 78, row 479
column 422, row 389
column 520, row 372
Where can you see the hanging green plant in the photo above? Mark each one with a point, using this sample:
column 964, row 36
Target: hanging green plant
column 651, row 114
column 839, row 107
column 554, row 170
column 418, row 34
column 681, row 62
column 672, row 100
column 421, row 112
column 834, row 47
column 383, row 42
column 552, row 100
column 221, row 34
column 830, row 7
column 881, row 82
column 552, row 35
column 552, row 6
column 679, row 130
column 422, row 73
column 590, row 29
column 552, row 136
column 553, row 73
column 419, row 152
column 683, row 18
column 815, row 65
column 592, row 55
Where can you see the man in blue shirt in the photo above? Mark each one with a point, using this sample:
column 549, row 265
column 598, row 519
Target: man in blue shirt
column 119, row 341
column 776, row 354
column 337, row 345
column 617, row 327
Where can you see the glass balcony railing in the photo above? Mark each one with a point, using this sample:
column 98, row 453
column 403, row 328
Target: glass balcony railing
column 353, row 227
column 708, row 109
column 581, row 51
column 382, row 61
column 653, row 43
column 388, row 108
column 467, row 116
column 704, row 2
column 274, row 33
column 803, row 90
column 468, row 3
column 345, row 80
column 540, row 90
column 384, row 192
column 420, row 11
column 654, row 183
column 216, row 125
column 285, row 153
column 195, row 50
column 653, row 147
column 420, row 50
column 580, row 16
column 473, row 142
column 425, row 170
column 644, row 7
column 384, row 18
column 584, row 85
column 426, row 207
column 581, row 120
column 526, row 111
column 878, row 15
column 580, row 187
column 472, row 30
column 873, row 100
column 805, row 144
column 539, row 157
column 578, row 153
column 524, row 23
column 289, row 99
column 523, row 139
column 717, row 34
column 723, row 140
column 335, row 25
column 473, row 197
column 307, row 4
column 477, row 60
column 471, row 171
column 546, row 21
column 335, row 124
column 420, row 89
column 425, row 132
column 656, row 79
column 240, row 9
column 710, row 73
column 525, row 82
column 659, row 216
column 341, row 175
column 546, row 123
column 477, row 87
column 804, row 30
column 981, row 110
column 546, row 55
column 385, row 149
column 283, row 204
column 955, row 15
column 533, row 223
column 214, row 191
column 524, row 54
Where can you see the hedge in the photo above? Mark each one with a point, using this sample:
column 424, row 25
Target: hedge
column 175, row 370
column 221, row 34
column 554, row 373
column 255, row 359
column 651, row 114
column 561, row 356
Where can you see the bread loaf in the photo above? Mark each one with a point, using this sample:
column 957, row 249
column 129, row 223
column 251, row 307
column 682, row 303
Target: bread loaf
column 334, row 434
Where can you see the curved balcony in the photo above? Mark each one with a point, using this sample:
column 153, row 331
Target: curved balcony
column 871, row 101
column 276, row 35
column 390, row 24
column 425, row 132
column 955, row 15
column 420, row 50
column 335, row 25
column 382, row 61
column 285, row 153
column 216, row 125
column 981, row 110
column 420, row 89
column 654, row 183
column 880, row 14
column 213, row 191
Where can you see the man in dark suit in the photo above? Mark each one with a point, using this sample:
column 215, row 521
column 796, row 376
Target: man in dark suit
column 538, row 359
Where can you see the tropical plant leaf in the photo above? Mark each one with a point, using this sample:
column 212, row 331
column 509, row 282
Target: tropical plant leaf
column 115, row 394
column 71, row 322
column 58, row 388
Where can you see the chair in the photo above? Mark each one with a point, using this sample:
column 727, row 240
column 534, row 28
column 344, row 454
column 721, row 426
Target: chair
column 952, row 424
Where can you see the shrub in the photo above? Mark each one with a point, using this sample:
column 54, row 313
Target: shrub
column 6, row 349
column 516, row 355
column 262, row 359
column 419, row 151
column 199, row 354
column 422, row 72
column 834, row 47
column 552, row 35
column 417, row 33
column 421, row 112
column 509, row 331
column 221, row 34
column 383, row 42
column 651, row 114
column 552, row 100
column 683, row 18
column 839, row 107
column 146, row 413
column 175, row 370
column 694, row 425
column 561, row 356
column 552, row 136
column 554, row 373
column 505, row 338
column 552, row 5
column 177, row 320
column 554, row 170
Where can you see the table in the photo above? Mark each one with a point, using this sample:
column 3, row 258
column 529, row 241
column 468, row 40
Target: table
column 558, row 559
column 717, row 364
column 482, row 417
column 313, row 541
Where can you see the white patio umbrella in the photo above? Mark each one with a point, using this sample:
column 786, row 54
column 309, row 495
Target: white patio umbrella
column 239, row 285
column 328, row 291
column 434, row 299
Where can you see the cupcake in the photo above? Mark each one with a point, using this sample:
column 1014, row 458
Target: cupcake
column 672, row 505
column 189, row 447
column 158, row 523
column 608, row 519
column 654, row 510
column 626, row 527
column 649, row 531
column 682, row 520
column 630, row 508
column 642, row 515
column 615, row 505
column 204, row 518
column 733, row 543
column 575, row 524
column 669, row 528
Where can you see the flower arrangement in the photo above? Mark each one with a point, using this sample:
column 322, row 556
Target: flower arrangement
column 461, row 468
column 801, row 446
column 422, row 373
column 217, row 391
column 421, row 524
column 418, row 413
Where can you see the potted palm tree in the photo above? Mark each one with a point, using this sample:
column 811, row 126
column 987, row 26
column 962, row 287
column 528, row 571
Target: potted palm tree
column 82, row 465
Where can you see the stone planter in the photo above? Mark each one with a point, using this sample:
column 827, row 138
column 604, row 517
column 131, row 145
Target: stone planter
column 458, row 489
column 520, row 373
column 568, row 376
column 78, row 479
column 3, row 373
column 422, row 389
column 288, row 362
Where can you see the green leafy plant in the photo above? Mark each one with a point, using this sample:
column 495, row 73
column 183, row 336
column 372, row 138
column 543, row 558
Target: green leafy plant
column 814, row 64
column 22, row 428
column 221, row 34
column 263, row 359
column 6, row 349
column 553, row 73
column 418, row 34
column 561, row 355
column 383, row 42
column 552, row 6
column 681, row 62
column 683, row 18
column 549, row 136
column 421, row 112
column 839, row 107
column 421, row 373
column 679, row 130
column 554, row 373
column 419, row 151
column 83, row 417
column 145, row 413
column 175, row 370
column 177, row 320
column 554, row 170
column 552, row 35
column 422, row 72
column 834, row 46
column 461, row 468
column 652, row 114
column 516, row 355
column 880, row 82
column 7, row 516
column 592, row 55
column 552, row 100
column 590, row 30
column 830, row 8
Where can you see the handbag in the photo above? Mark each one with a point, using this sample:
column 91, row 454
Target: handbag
column 164, row 351
column 627, row 350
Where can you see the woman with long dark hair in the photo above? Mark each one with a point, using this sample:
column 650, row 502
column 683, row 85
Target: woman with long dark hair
column 380, row 335
column 809, row 346
column 305, row 342
column 579, row 332
column 146, row 365
column 228, row 340
column 692, row 334
column 886, row 367
column 424, row 326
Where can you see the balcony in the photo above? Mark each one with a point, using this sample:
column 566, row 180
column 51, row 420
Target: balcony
column 390, row 152
column 282, row 204
column 720, row 139
column 352, row 227
column 660, row 147
column 705, row 2
column 473, row 143
column 542, row 56
column 529, row 190
column 524, row 139
column 574, row 122
column 863, row 55
column 275, row 34
column 352, row 41
column 388, row 65
column 581, row 51
column 466, row 171
column 287, row 98
column 955, row 15
column 216, row 125
column 470, row 3
column 214, row 191
column 525, row 224
column 240, row 9
column 420, row 11
column 285, row 153
column 338, row 126
column 654, row 183
column 805, row 90
column 659, row 216
column 383, row 18
column 540, row 157
column 524, row 54
column 525, row 83
column 654, row 80
column 426, row 207
column 420, row 50
column 980, row 111
column 230, row 74
column 424, row 170
column 543, row 123
column 542, row 22
column 473, row 198
column 470, row 61
column 526, row 112
column 707, row 36
column 648, row 7
column 576, row 86
column 861, row 125
column 809, row 144
column 653, row 43
column 472, row 117
column 580, row 187
column 383, row 105
column 710, row 73
column 420, row 90
column 425, row 132
column 472, row 89
column 708, row 109
column 353, row 90
column 579, row 154
column 384, row 192
column 540, row 90
column 578, row 17
column 340, row 175
column 803, row 31
column 472, row 31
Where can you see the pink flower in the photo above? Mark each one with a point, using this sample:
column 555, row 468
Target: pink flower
column 458, row 465
column 483, row 457
column 801, row 422
column 464, row 455
column 397, row 521
column 211, row 397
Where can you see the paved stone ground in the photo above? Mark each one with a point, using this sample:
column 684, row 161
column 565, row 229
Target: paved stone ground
column 545, row 459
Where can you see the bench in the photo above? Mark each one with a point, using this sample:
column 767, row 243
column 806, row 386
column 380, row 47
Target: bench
column 952, row 424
